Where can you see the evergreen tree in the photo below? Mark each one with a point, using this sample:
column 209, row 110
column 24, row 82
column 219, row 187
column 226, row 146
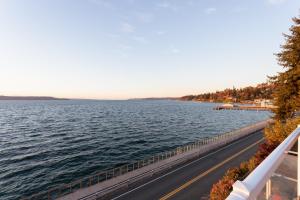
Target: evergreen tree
column 287, row 91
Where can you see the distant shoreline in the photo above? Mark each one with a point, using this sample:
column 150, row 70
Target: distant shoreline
column 30, row 98
column 156, row 98
column 193, row 100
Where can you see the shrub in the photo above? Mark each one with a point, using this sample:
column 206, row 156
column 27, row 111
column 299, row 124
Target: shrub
column 223, row 187
column 277, row 132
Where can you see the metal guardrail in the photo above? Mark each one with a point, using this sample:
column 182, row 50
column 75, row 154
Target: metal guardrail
column 254, row 183
column 99, row 177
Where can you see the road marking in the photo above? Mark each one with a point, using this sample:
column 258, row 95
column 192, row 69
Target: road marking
column 187, row 184
column 177, row 169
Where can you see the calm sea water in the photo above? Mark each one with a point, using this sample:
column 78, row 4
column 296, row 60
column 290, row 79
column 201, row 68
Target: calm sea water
column 45, row 143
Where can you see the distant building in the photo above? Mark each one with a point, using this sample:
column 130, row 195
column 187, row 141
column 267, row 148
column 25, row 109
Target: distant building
column 267, row 103
column 228, row 105
column 231, row 99
column 257, row 101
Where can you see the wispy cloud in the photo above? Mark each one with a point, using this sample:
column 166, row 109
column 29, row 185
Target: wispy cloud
column 127, row 28
column 211, row 10
column 164, row 5
column 159, row 32
column 112, row 35
column 125, row 47
column 140, row 39
column 124, row 55
column 274, row 2
column 173, row 50
column 104, row 3
column 238, row 9
column 144, row 17
column 124, row 50
column 191, row 3
column 167, row 5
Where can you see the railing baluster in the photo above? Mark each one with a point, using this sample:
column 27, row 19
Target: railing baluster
column 268, row 189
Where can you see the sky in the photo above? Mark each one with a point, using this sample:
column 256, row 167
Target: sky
column 119, row 49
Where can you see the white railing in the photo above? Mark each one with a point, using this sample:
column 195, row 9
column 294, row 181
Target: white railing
column 254, row 183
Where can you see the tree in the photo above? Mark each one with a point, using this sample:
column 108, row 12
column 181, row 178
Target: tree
column 287, row 83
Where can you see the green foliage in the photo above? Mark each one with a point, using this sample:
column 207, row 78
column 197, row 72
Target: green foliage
column 287, row 83
column 261, row 91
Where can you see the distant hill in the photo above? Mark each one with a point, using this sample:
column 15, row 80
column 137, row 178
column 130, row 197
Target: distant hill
column 29, row 98
column 242, row 95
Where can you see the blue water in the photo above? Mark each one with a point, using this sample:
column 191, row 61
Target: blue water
column 45, row 143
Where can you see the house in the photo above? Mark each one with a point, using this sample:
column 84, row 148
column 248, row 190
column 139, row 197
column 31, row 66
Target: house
column 267, row 103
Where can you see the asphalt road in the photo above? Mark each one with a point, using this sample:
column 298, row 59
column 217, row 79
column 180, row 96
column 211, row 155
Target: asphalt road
column 193, row 180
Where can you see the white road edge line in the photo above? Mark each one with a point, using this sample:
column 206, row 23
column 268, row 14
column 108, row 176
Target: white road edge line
column 171, row 172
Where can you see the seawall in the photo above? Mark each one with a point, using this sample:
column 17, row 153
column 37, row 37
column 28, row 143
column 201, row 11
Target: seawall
column 107, row 182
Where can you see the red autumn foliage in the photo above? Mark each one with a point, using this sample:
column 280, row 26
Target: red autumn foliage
column 223, row 187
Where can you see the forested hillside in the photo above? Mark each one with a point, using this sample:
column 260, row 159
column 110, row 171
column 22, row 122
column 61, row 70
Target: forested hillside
column 261, row 91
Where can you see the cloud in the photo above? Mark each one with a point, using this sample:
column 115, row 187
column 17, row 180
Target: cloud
column 124, row 55
column 164, row 5
column 144, row 17
column 160, row 32
column 167, row 5
column 276, row 1
column 238, row 9
column 191, row 3
column 173, row 50
column 112, row 35
column 127, row 28
column 209, row 11
column 104, row 3
column 125, row 47
column 140, row 39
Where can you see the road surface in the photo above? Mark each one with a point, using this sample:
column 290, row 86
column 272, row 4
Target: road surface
column 193, row 180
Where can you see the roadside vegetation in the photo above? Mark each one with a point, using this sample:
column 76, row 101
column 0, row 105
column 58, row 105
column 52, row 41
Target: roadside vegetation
column 286, row 94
